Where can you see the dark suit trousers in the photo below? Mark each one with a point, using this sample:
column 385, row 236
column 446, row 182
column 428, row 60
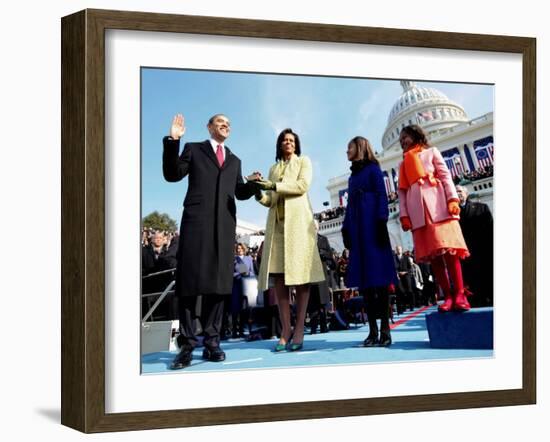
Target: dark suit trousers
column 211, row 320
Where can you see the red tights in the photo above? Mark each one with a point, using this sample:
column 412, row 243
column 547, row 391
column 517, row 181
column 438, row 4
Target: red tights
column 451, row 264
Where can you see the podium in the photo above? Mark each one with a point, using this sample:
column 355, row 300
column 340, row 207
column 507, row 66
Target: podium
column 472, row 329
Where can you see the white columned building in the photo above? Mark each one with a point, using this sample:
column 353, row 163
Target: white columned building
column 249, row 234
column 466, row 145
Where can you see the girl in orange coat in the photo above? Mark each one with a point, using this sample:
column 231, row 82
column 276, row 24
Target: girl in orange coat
column 429, row 207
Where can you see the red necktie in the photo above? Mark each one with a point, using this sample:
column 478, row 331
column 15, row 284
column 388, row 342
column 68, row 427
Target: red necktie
column 219, row 155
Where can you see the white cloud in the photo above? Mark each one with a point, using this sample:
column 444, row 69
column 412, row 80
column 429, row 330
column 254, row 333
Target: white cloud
column 374, row 110
column 283, row 108
column 369, row 107
column 475, row 99
column 378, row 103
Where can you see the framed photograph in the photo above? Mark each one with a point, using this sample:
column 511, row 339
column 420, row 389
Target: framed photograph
column 126, row 74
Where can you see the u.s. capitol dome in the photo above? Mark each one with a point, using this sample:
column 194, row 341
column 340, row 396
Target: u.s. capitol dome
column 466, row 145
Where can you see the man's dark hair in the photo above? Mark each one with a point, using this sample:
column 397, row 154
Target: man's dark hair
column 213, row 117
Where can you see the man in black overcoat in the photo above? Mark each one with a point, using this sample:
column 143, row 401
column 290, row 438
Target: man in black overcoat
column 320, row 292
column 158, row 255
column 404, row 288
column 207, row 231
column 476, row 222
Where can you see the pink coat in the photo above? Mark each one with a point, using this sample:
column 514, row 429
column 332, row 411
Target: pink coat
column 425, row 197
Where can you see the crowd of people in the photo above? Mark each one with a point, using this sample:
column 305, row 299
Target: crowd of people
column 294, row 282
column 392, row 197
column 329, row 214
column 474, row 175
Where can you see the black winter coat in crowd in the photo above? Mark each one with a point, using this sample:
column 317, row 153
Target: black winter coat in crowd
column 403, row 265
column 166, row 259
column 476, row 222
column 329, row 266
column 207, row 231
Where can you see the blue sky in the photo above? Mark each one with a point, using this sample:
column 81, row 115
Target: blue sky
column 326, row 112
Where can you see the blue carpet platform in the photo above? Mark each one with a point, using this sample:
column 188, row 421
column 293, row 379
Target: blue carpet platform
column 410, row 343
column 471, row 329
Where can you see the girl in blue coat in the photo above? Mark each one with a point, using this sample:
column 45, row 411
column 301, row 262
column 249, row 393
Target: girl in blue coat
column 371, row 268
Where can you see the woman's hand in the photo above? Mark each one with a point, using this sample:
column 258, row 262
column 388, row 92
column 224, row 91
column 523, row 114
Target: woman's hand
column 266, row 184
column 406, row 224
column 178, row 127
column 453, row 207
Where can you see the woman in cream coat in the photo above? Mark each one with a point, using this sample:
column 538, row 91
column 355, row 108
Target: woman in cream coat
column 290, row 254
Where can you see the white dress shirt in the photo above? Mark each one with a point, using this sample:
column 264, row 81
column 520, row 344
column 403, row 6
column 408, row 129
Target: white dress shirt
column 215, row 144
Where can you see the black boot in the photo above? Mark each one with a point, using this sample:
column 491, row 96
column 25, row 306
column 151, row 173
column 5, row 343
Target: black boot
column 369, row 297
column 385, row 335
column 313, row 322
column 323, row 321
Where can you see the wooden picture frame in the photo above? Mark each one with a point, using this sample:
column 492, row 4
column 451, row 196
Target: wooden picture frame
column 83, row 219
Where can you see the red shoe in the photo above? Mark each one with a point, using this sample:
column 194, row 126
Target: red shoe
column 461, row 303
column 447, row 305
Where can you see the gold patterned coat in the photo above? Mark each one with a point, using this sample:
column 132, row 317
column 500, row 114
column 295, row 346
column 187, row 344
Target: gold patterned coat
column 302, row 263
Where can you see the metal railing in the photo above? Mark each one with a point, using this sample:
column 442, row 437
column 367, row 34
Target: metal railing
column 168, row 290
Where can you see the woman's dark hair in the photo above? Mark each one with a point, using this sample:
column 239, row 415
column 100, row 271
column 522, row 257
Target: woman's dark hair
column 417, row 134
column 364, row 149
column 279, row 153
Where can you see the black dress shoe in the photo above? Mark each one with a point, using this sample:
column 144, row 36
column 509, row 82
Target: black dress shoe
column 182, row 360
column 371, row 341
column 213, row 354
column 385, row 339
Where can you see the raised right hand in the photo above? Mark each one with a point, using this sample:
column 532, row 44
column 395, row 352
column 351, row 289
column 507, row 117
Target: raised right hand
column 178, row 127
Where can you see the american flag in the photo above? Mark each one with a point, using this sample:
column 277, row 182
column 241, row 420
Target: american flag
column 424, row 116
column 454, row 164
column 484, row 154
column 450, row 165
column 387, row 184
column 458, row 164
column 343, row 194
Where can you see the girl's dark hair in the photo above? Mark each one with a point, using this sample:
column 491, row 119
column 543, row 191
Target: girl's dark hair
column 417, row 134
column 364, row 149
column 279, row 153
